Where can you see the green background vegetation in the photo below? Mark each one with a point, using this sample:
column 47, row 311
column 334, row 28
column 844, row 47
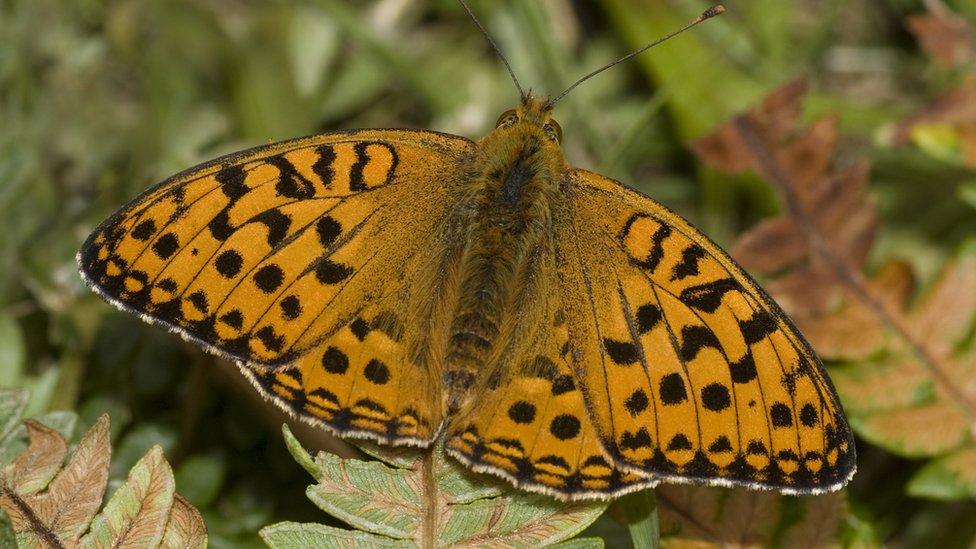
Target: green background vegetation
column 99, row 99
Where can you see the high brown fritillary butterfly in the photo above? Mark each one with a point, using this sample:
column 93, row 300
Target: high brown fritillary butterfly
column 556, row 328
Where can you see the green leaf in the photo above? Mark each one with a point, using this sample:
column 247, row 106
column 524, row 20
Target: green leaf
column 137, row 442
column 7, row 536
column 950, row 477
column 640, row 510
column 12, row 352
column 422, row 497
column 15, row 441
column 200, row 477
column 581, row 543
column 13, row 402
column 292, row 535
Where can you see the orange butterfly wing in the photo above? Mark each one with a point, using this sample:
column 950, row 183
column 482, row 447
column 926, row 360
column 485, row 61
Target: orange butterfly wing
column 691, row 372
column 293, row 260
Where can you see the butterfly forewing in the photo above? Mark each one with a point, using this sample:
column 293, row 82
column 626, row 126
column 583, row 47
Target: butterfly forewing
column 297, row 254
column 690, row 371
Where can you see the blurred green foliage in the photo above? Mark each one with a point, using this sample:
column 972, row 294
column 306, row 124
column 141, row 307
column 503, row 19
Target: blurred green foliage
column 100, row 98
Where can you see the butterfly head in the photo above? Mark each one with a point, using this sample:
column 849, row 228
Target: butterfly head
column 533, row 115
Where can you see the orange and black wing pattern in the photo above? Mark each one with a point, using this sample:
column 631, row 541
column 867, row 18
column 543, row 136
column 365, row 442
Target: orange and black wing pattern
column 295, row 260
column 691, row 373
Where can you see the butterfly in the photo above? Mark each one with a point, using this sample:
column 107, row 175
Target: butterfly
column 546, row 324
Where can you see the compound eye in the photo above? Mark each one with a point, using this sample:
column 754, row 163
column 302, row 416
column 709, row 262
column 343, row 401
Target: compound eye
column 554, row 131
column 507, row 118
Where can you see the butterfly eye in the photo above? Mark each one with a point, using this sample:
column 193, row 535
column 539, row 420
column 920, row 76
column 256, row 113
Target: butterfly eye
column 507, row 118
column 554, row 131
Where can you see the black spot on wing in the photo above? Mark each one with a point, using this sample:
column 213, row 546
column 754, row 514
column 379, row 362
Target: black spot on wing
column 716, row 397
column 329, row 272
column 695, row 338
column 323, row 166
column 335, row 361
column 656, row 253
column 233, row 318
column 357, row 182
column 672, row 389
column 199, row 301
column 229, row 263
column 377, row 372
column 637, row 402
column 270, row 339
column 744, row 369
column 166, row 245
column 277, row 224
column 144, row 230
column 707, row 297
column 291, row 184
column 648, row 316
column 720, row 444
column 220, row 226
column 522, row 412
column 328, row 230
column 562, row 384
column 269, row 278
column 688, row 266
column 231, row 181
column 635, row 440
column 680, row 441
column 808, row 415
column 758, row 327
column 564, row 427
column 359, row 328
column 781, row 415
column 621, row 352
column 291, row 307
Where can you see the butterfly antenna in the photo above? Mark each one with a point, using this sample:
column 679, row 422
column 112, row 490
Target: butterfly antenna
column 705, row 15
column 494, row 46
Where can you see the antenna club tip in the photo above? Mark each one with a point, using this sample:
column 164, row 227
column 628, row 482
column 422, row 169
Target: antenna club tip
column 713, row 11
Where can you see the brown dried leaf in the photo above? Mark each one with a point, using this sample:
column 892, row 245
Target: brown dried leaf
column 75, row 494
column 910, row 372
column 955, row 108
column 853, row 332
column 946, row 127
column 772, row 245
column 777, row 115
column 945, row 36
column 830, row 203
column 136, row 514
column 35, row 468
column 692, row 516
column 185, row 528
column 909, row 399
column 944, row 315
column 822, row 516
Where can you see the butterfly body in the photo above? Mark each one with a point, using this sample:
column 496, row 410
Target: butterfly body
column 551, row 326
column 519, row 181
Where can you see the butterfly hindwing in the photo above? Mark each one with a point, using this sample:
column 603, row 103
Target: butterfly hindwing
column 690, row 372
column 531, row 427
column 296, row 254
